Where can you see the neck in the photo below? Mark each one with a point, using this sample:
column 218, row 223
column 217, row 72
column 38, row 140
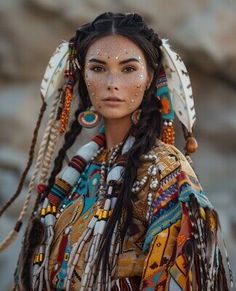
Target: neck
column 116, row 130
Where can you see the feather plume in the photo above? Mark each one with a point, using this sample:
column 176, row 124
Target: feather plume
column 54, row 74
column 179, row 85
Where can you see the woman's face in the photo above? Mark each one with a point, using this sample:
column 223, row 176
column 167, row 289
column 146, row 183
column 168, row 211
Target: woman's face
column 116, row 75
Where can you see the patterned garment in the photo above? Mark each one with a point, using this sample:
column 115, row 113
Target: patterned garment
column 179, row 248
column 183, row 243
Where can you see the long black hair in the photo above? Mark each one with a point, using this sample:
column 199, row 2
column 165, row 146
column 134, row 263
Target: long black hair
column 132, row 26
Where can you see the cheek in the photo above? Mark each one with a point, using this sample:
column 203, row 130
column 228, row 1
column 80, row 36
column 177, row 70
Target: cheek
column 94, row 84
column 136, row 85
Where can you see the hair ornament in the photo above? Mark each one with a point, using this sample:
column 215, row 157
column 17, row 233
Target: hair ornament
column 53, row 78
column 167, row 111
column 180, row 91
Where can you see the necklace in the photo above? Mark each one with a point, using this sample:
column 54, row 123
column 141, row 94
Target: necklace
column 105, row 167
column 110, row 173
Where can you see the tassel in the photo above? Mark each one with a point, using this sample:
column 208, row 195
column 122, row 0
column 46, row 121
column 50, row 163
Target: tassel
column 168, row 133
column 64, row 119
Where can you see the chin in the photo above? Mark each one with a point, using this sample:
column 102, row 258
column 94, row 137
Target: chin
column 115, row 115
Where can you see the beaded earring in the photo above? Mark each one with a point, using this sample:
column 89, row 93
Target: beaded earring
column 89, row 118
column 68, row 91
column 168, row 132
column 135, row 116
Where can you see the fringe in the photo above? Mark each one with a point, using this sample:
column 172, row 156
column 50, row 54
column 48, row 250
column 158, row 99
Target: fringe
column 34, row 236
column 207, row 263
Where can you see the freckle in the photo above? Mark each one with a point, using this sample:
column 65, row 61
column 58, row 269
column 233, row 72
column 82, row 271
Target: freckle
column 139, row 86
column 108, row 57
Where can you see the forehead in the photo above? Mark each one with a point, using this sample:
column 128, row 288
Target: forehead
column 114, row 46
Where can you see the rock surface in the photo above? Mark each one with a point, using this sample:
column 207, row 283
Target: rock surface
column 201, row 31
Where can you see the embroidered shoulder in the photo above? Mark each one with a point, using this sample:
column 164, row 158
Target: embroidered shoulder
column 177, row 180
column 169, row 164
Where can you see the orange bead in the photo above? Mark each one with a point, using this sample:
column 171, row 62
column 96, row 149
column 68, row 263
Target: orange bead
column 191, row 145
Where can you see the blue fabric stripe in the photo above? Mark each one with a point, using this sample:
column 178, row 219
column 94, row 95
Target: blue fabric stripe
column 163, row 222
column 186, row 190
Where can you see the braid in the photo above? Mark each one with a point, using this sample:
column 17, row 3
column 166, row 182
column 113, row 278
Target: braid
column 145, row 132
column 70, row 137
column 30, row 160
column 84, row 102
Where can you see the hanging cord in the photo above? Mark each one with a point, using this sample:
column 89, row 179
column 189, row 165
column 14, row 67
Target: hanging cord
column 53, row 138
column 13, row 234
column 191, row 144
column 30, row 159
column 50, row 139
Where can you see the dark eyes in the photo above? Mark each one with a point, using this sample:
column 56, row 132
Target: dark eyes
column 98, row 69
column 102, row 69
column 129, row 69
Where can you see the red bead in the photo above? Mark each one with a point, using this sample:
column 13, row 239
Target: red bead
column 41, row 188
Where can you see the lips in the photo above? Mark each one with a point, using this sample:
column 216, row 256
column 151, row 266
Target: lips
column 112, row 98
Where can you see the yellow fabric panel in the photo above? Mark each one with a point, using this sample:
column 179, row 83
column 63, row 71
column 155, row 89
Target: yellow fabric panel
column 161, row 250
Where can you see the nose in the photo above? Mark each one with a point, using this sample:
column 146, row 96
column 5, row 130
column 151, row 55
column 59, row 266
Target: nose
column 109, row 87
column 112, row 83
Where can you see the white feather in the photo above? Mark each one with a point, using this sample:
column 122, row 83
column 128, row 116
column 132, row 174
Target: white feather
column 179, row 85
column 54, row 74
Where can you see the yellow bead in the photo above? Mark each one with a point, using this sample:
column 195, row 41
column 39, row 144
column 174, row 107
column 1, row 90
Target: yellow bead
column 40, row 257
column 43, row 212
column 105, row 214
column 100, row 215
column 36, row 259
column 49, row 209
column 66, row 257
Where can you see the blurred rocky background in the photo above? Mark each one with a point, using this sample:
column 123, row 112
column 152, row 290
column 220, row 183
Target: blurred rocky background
column 202, row 31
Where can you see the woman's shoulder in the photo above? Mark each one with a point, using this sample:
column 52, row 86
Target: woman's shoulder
column 175, row 171
column 169, row 159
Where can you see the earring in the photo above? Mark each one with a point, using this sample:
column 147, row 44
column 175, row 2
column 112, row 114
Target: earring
column 135, row 116
column 89, row 118
column 167, row 110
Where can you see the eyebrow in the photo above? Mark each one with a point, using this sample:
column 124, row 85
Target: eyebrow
column 121, row 63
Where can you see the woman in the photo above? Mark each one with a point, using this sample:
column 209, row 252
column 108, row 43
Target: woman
column 127, row 212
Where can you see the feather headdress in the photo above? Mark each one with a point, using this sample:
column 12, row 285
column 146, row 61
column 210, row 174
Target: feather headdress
column 53, row 78
column 179, row 85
